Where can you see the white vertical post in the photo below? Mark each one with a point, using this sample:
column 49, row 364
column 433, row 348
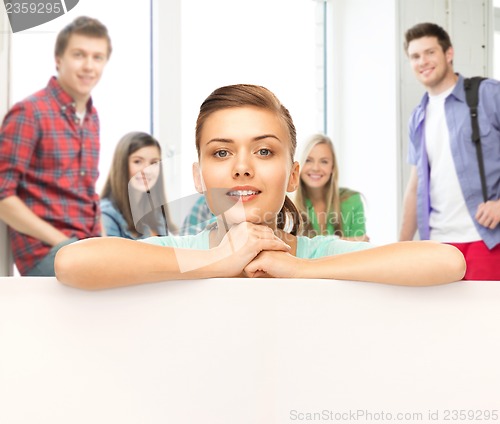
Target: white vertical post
column 5, row 253
column 167, row 82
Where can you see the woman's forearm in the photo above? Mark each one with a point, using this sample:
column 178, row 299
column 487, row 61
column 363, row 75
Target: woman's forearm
column 405, row 263
column 100, row 263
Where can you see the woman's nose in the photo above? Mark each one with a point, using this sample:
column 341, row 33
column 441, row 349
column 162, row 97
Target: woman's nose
column 314, row 166
column 242, row 167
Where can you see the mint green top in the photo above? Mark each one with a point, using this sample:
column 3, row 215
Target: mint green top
column 307, row 248
column 352, row 213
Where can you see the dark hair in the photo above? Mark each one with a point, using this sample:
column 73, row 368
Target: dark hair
column 116, row 187
column 82, row 25
column 242, row 95
column 427, row 29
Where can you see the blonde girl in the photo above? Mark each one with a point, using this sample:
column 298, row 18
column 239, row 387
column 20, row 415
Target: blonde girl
column 326, row 207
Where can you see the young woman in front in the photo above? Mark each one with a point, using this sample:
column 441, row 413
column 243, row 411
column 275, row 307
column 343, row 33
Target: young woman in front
column 246, row 142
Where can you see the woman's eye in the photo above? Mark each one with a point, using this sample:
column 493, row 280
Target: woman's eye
column 264, row 152
column 221, row 153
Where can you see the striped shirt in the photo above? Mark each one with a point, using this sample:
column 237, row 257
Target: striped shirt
column 198, row 218
column 49, row 160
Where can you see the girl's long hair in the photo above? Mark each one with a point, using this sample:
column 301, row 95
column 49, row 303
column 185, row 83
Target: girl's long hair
column 334, row 196
column 116, row 187
column 242, row 95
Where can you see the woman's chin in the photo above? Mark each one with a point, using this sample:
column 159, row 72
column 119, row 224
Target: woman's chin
column 229, row 221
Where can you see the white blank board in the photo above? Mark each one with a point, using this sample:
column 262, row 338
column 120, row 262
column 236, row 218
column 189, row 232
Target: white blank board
column 258, row 351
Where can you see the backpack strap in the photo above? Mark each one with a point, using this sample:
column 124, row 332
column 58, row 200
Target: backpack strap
column 471, row 87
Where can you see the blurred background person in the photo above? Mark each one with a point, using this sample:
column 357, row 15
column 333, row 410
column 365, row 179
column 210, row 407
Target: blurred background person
column 133, row 200
column 326, row 207
column 47, row 177
column 198, row 218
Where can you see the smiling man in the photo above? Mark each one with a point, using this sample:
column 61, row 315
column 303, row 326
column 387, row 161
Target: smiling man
column 444, row 195
column 49, row 152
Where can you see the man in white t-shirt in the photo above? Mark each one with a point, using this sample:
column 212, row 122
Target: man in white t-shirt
column 444, row 197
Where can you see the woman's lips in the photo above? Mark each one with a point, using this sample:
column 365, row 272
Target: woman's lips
column 244, row 195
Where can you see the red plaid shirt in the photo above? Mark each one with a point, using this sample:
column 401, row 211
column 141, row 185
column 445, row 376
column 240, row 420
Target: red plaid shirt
column 50, row 161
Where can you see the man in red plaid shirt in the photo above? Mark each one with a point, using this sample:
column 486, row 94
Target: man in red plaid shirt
column 49, row 152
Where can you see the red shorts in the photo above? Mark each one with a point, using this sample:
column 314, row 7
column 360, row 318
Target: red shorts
column 482, row 263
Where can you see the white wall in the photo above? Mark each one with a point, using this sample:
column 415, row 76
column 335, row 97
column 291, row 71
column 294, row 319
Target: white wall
column 364, row 120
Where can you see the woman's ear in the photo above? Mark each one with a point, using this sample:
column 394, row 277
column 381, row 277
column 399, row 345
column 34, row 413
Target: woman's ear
column 293, row 181
column 197, row 178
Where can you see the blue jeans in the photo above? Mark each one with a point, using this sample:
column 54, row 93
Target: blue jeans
column 45, row 267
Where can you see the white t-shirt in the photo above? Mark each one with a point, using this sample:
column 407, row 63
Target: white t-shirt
column 80, row 116
column 450, row 220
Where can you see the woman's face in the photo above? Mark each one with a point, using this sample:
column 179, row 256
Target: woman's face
column 318, row 167
column 245, row 167
column 144, row 167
